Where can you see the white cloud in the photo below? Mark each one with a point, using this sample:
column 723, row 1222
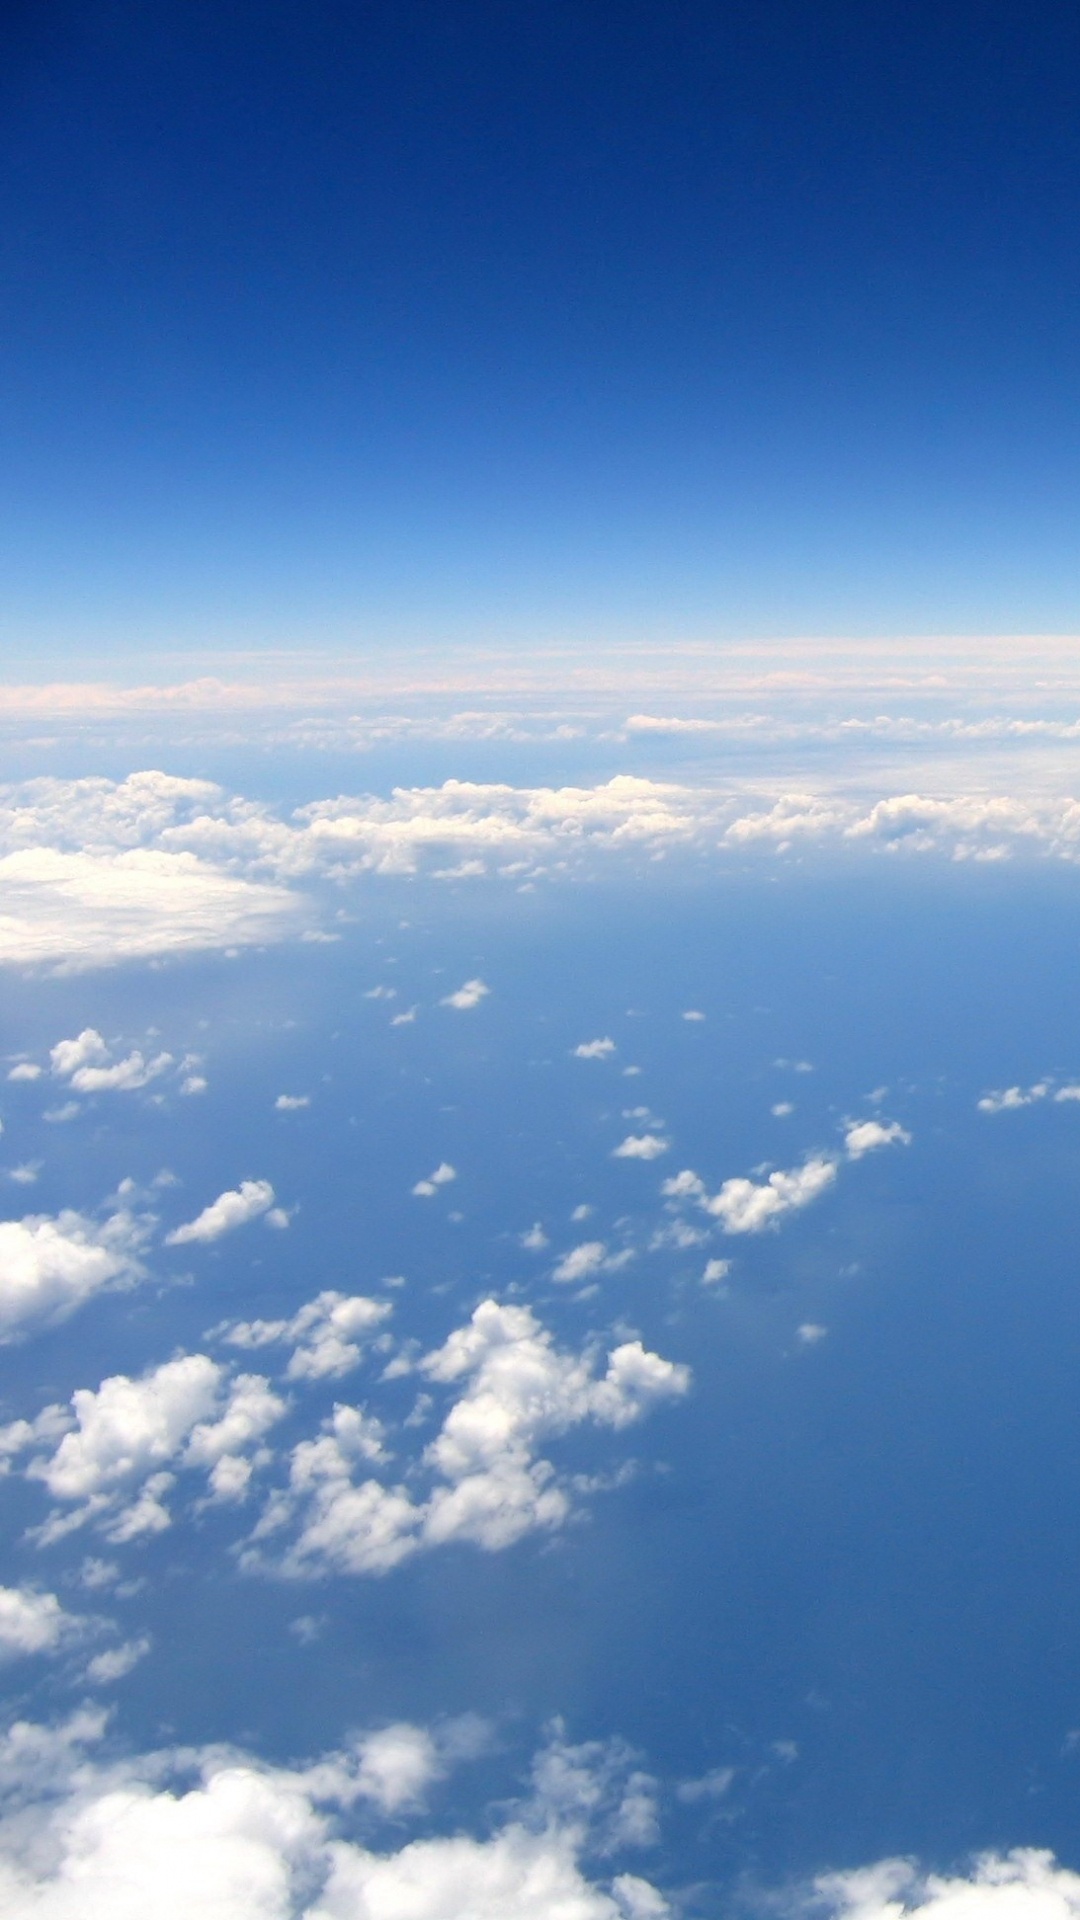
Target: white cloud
column 534, row 1240
column 745, row 1207
column 715, row 1270
column 581, row 1261
column 1026, row 1884
column 291, row 1102
column 594, row 1049
column 641, row 1146
column 32, row 1622
column 328, row 1332
column 782, row 1109
column 810, row 1333
column 491, row 1486
column 121, row 1444
column 692, row 1013
column 115, row 1663
column 466, row 997
column 867, row 1135
column 230, row 1210
column 25, row 1070
column 172, row 1835
column 50, row 1266
column 442, row 1176
column 86, row 1063
column 1005, row 1099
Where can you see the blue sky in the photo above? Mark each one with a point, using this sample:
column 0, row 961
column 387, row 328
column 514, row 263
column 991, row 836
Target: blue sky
column 539, row 1059
column 399, row 324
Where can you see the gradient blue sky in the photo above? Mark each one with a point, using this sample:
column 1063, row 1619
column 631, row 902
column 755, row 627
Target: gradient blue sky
column 329, row 325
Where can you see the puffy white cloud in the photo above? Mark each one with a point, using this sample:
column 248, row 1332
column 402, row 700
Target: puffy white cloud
column 291, row 1102
column 715, row 1271
column 26, row 1070
column 1026, row 1884
column 744, row 1206
column 171, row 1835
column 581, row 1261
column 32, row 1622
column 466, row 997
column 490, row 1484
column 865, row 1136
column 328, row 1332
column 594, row 1049
column 50, row 1265
column 442, row 1176
column 1005, row 1099
column 115, row 1663
column 87, row 1064
column 120, row 1445
column 641, row 1146
column 230, row 1210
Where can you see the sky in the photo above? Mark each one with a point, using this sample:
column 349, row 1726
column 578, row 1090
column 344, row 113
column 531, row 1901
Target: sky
column 334, row 327
column 539, row 1054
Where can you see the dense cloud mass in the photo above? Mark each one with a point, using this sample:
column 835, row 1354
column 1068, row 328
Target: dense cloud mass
column 50, row 1266
column 220, row 1835
column 95, row 871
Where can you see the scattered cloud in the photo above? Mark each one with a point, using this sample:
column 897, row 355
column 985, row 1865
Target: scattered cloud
column 115, row 1663
column 641, row 1146
column 291, row 1102
column 328, row 1334
column 490, row 1485
column 866, row 1136
column 230, row 1210
column 594, row 1049
column 226, row 1834
column 121, row 1446
column 810, row 1333
column 49, row 1265
column 442, row 1176
column 581, row 1262
column 742, row 1206
column 715, row 1271
column 33, row 1622
column 1026, row 1884
column 466, row 997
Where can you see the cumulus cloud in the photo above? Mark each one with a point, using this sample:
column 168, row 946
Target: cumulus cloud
column 866, row 1136
column 1026, row 1884
column 490, row 1484
column 121, row 1445
column 743, row 1206
column 466, row 997
column 291, row 1102
column 171, row 1835
column 1006, row 1099
column 115, row 1663
column 328, row 1332
column 230, row 1210
column 50, row 1265
column 594, row 1049
column 32, row 1622
column 641, row 1146
column 581, row 1261
column 86, row 1063
column 442, row 1176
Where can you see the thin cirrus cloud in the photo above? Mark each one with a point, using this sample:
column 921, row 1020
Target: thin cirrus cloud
column 235, row 1208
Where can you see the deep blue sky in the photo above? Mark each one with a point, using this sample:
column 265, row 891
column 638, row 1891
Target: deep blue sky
column 333, row 323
